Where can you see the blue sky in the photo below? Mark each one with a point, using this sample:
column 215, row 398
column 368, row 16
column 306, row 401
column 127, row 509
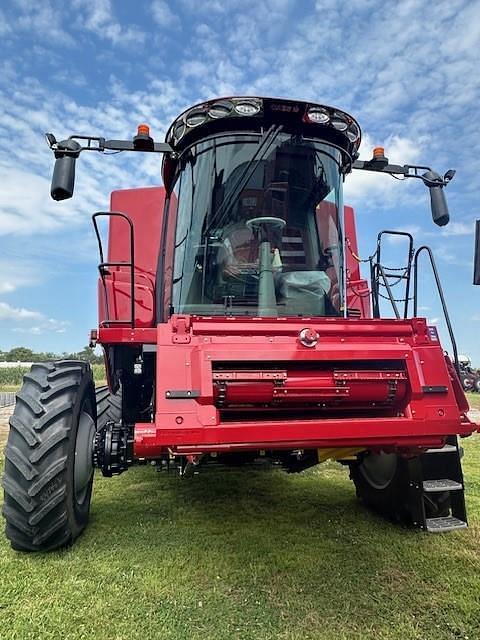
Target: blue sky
column 407, row 71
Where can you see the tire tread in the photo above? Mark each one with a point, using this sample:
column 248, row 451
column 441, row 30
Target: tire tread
column 37, row 496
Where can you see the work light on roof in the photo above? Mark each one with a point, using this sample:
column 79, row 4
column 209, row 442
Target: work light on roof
column 353, row 132
column 339, row 123
column 195, row 117
column 220, row 109
column 247, row 107
column 318, row 116
column 179, row 131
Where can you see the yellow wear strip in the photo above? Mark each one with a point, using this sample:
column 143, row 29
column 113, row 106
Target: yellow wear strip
column 338, row 453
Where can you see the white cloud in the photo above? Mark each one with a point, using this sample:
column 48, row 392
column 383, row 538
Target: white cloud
column 5, row 27
column 374, row 189
column 42, row 19
column 99, row 18
column 16, row 272
column 7, row 312
column 33, row 322
column 459, row 229
column 163, row 14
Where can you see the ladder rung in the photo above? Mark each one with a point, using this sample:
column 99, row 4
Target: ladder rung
column 448, row 448
column 396, row 276
column 441, row 525
column 430, row 486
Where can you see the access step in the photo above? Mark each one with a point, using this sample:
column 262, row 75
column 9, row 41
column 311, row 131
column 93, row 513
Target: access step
column 442, row 525
column 431, row 486
column 448, row 448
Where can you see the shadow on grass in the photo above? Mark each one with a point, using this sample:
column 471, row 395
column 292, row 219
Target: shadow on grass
column 248, row 555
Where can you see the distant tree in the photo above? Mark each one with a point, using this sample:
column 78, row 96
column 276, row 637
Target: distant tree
column 88, row 354
column 21, row 354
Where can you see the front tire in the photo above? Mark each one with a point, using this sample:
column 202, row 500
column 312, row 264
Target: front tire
column 48, row 458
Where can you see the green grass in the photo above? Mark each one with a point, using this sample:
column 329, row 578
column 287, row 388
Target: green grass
column 474, row 400
column 250, row 556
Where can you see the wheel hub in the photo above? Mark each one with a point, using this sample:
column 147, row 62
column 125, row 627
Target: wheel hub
column 83, row 468
column 379, row 469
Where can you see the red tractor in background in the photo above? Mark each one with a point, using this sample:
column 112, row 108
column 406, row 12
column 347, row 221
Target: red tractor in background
column 237, row 328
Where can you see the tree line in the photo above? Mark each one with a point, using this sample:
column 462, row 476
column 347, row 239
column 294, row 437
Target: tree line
column 23, row 354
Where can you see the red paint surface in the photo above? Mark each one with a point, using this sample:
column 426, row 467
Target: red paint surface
column 337, row 393
column 145, row 209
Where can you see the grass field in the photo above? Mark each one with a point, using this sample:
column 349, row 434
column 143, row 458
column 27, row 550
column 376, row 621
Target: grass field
column 247, row 556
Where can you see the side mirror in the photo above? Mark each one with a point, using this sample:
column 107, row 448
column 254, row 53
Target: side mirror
column 438, row 202
column 63, row 179
column 476, row 260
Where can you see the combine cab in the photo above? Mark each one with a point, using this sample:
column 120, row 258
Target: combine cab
column 237, row 327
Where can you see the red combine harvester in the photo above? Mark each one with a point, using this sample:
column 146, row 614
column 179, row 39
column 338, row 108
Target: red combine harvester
column 237, row 328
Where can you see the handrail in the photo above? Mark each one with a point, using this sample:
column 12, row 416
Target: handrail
column 103, row 264
column 389, row 290
column 440, row 293
column 374, row 279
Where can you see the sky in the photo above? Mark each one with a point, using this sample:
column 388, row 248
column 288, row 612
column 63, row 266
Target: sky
column 408, row 72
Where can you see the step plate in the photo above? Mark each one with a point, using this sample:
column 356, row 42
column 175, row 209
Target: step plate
column 448, row 448
column 430, row 486
column 441, row 525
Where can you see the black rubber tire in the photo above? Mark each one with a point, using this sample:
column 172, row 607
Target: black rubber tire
column 392, row 499
column 109, row 406
column 476, row 386
column 41, row 508
column 387, row 500
column 468, row 382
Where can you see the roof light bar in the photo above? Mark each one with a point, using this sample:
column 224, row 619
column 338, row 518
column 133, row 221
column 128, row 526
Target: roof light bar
column 272, row 109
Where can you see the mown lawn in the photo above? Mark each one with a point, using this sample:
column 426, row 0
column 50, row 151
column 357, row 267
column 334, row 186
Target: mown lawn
column 246, row 555
column 474, row 400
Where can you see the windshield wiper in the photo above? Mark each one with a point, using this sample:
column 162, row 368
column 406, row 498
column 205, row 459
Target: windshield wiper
column 266, row 142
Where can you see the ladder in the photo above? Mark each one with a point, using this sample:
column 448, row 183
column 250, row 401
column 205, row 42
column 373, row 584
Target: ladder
column 436, row 489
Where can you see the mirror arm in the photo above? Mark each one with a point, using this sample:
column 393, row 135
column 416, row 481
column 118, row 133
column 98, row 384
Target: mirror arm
column 67, row 151
column 406, row 170
column 430, row 179
column 94, row 143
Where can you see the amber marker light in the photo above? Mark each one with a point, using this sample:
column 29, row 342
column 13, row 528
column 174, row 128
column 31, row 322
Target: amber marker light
column 143, row 130
column 379, row 152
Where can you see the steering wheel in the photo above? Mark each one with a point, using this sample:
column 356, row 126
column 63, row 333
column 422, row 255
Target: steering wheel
column 265, row 220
